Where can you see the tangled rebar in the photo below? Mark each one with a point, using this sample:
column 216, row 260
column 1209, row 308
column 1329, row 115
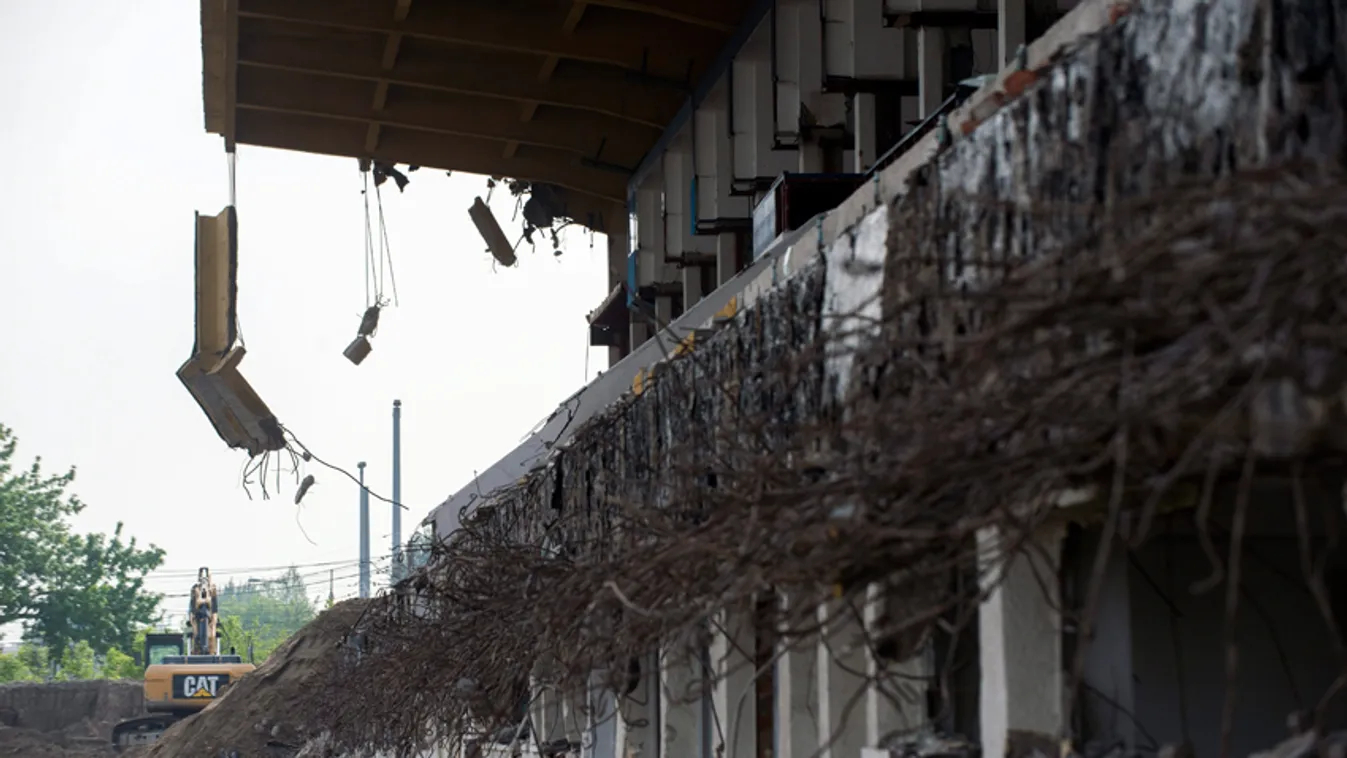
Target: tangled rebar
column 1188, row 343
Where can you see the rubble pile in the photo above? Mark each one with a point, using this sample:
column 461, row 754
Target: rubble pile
column 270, row 712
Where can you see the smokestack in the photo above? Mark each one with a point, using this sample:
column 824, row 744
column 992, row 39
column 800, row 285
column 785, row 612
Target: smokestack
column 364, row 533
column 397, row 491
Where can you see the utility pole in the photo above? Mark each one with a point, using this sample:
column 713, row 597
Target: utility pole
column 364, row 533
column 397, row 492
column 331, row 587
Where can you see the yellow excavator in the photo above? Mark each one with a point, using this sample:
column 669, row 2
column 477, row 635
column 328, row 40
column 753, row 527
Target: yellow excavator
column 183, row 676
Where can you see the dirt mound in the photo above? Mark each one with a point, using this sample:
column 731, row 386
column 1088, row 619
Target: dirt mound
column 78, row 709
column 64, row 719
column 28, row 743
column 266, row 713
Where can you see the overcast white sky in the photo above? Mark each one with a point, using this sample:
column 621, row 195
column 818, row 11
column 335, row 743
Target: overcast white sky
column 101, row 128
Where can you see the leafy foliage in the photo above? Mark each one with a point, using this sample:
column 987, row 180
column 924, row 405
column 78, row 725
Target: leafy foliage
column 65, row 587
column 33, row 664
column 264, row 613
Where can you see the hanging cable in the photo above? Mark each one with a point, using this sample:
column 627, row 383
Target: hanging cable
column 386, row 249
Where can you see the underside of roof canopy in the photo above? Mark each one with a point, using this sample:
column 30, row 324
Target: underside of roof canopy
column 571, row 93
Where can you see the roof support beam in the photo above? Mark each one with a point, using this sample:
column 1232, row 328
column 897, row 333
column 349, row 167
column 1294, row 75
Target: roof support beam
column 290, row 131
column 672, row 14
column 578, row 133
column 587, row 90
column 390, row 58
column 634, row 42
column 576, row 13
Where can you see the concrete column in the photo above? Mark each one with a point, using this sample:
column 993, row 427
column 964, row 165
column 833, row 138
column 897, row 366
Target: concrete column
column 678, row 174
column 732, row 649
column 726, row 257
column 842, row 686
column 930, row 69
column 1020, row 638
column 547, row 713
column 1011, row 29
column 789, row 69
column 641, row 713
column 896, row 697
column 754, row 122
column 797, row 699
column 809, row 73
column 618, row 250
column 1108, row 655
column 714, row 164
column 680, row 704
column 602, row 725
column 649, row 248
column 864, row 148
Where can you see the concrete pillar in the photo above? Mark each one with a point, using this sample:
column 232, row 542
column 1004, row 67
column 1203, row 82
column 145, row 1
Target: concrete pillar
column 678, row 175
column 896, row 697
column 1020, row 638
column 640, row 712
column 790, row 68
column 680, row 704
column 754, row 119
column 732, row 648
column 726, row 257
column 714, row 165
column 1011, row 29
column 797, row 700
column 930, row 69
column 842, row 686
column 649, row 249
column 618, row 250
column 603, row 727
column 1108, row 652
column 864, row 148
column 546, row 713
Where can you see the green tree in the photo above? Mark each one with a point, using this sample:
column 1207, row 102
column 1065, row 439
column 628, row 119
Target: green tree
column 77, row 663
column 65, row 587
column 264, row 613
column 14, row 669
column 119, row 665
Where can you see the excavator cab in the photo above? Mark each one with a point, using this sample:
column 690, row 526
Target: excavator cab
column 161, row 646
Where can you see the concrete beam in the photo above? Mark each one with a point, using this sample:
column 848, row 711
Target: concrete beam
column 472, row 155
column 462, row 72
column 631, row 41
column 580, row 133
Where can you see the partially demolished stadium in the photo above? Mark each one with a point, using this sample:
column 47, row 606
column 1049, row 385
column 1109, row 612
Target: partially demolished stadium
column 1039, row 452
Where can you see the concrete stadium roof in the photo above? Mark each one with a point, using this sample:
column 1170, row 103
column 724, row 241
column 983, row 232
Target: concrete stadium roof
column 567, row 92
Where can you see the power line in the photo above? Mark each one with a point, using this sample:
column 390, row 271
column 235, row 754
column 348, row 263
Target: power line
column 261, row 587
column 244, row 570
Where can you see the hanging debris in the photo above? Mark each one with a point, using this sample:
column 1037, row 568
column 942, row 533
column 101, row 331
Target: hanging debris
column 303, row 488
column 378, row 262
column 496, row 242
column 211, row 374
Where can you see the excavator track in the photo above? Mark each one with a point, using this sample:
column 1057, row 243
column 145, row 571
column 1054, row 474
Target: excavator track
column 142, row 731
